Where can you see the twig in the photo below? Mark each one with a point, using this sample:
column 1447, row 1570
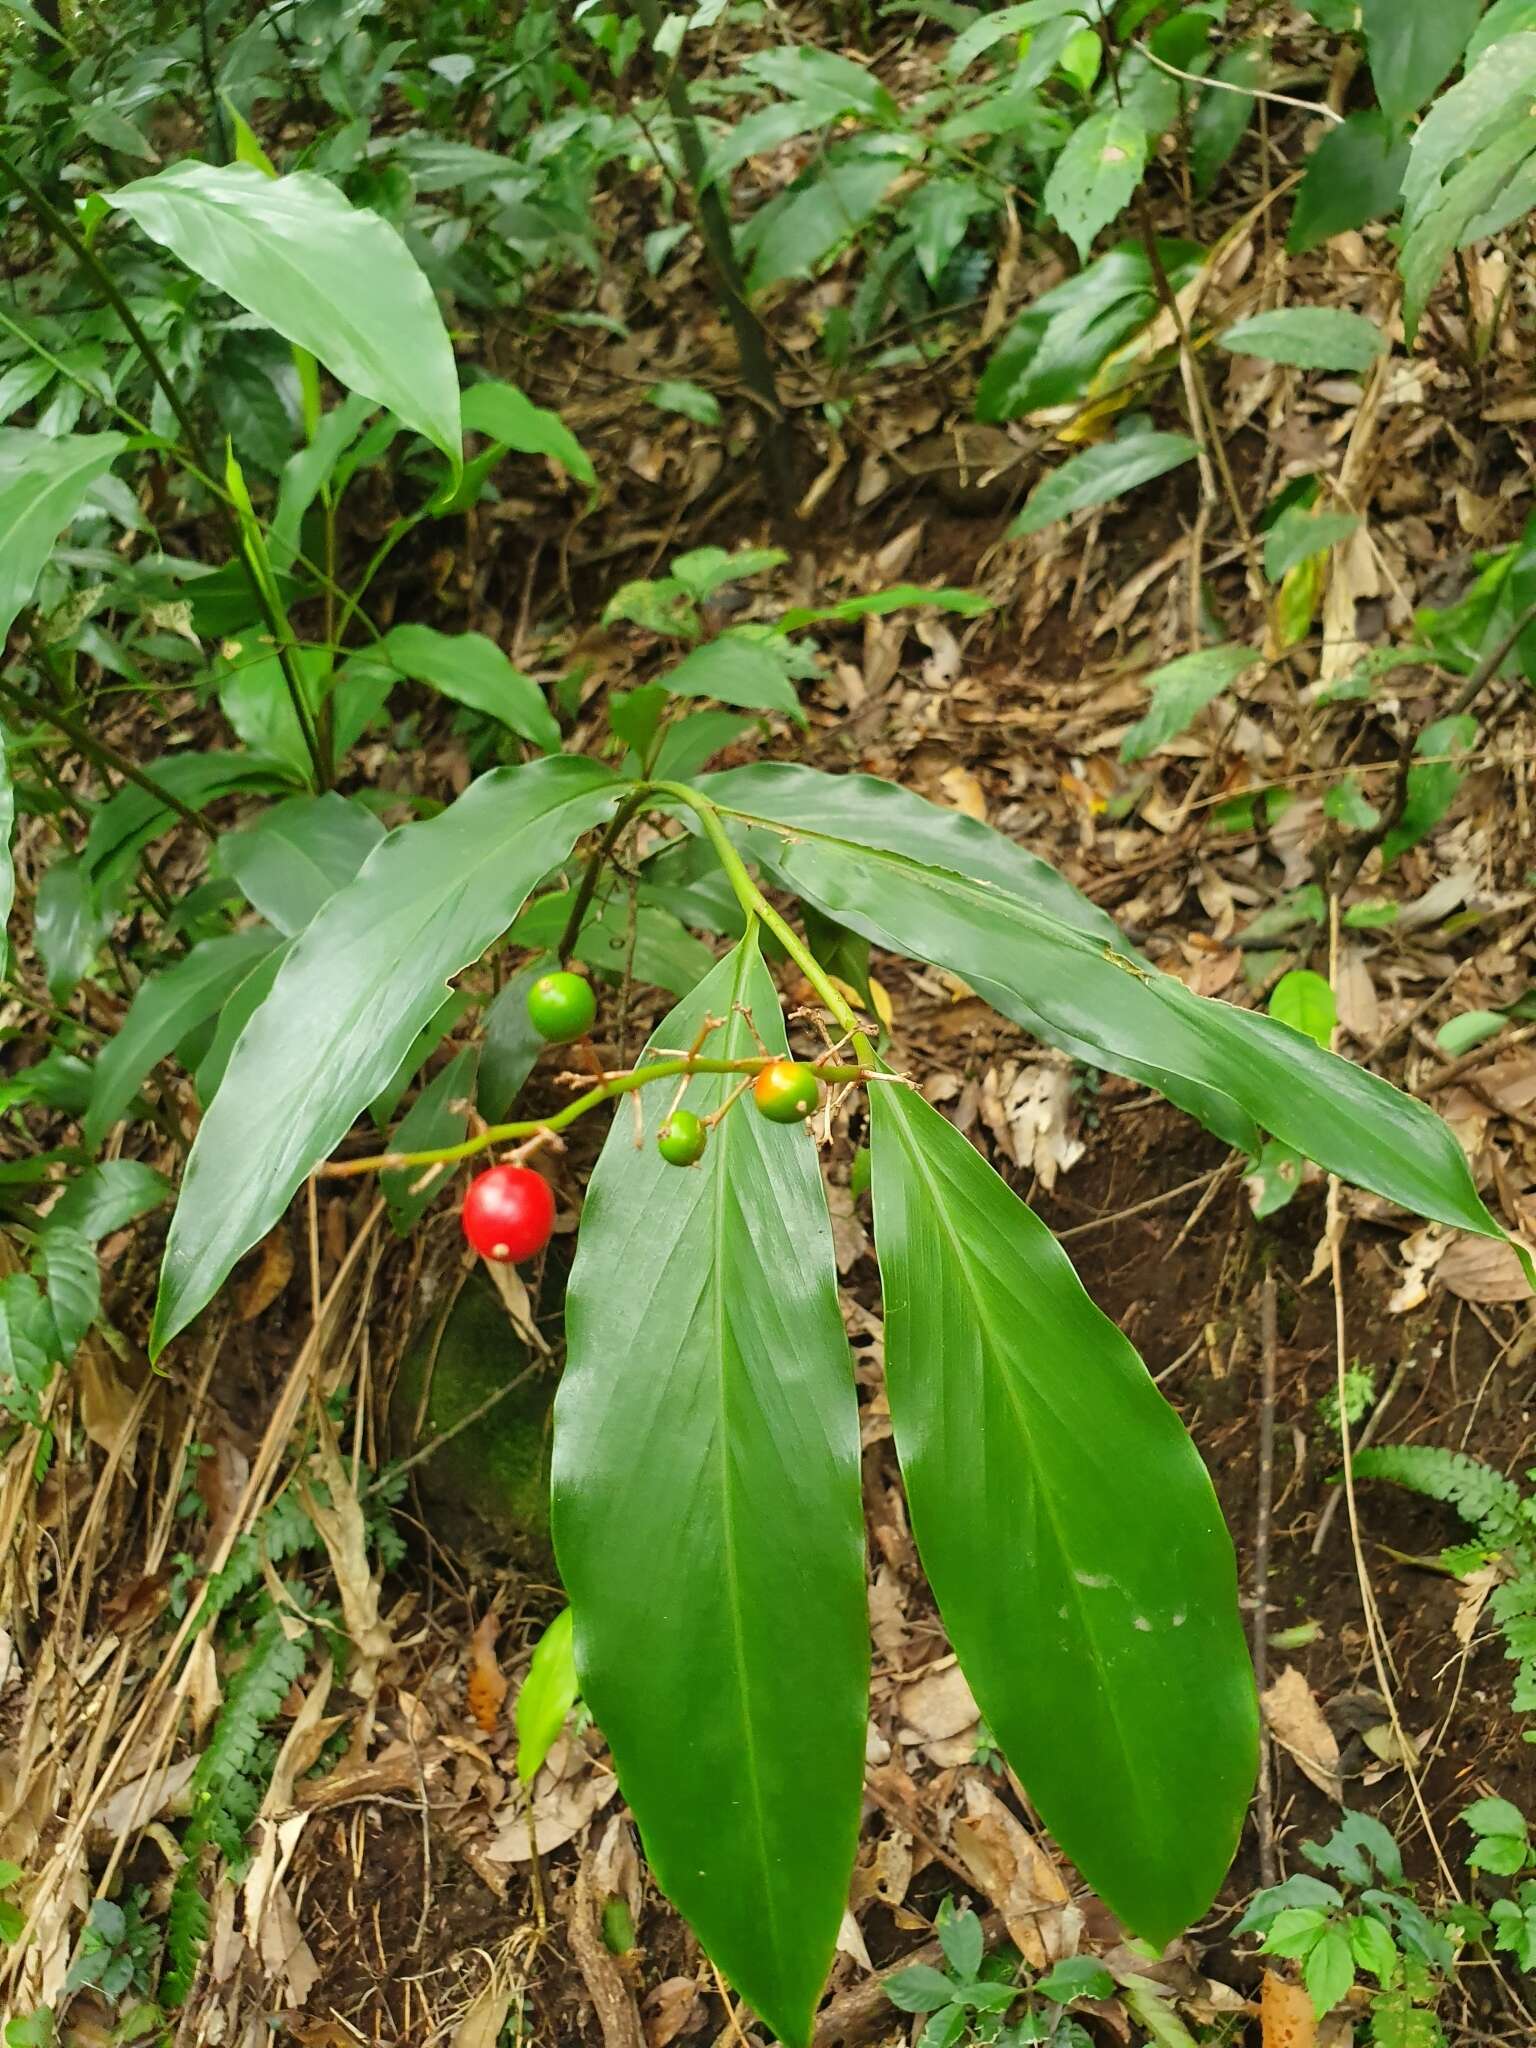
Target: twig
column 1248, row 92
column 106, row 756
column 1264, row 1805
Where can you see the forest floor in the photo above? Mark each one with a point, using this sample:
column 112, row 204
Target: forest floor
column 414, row 1905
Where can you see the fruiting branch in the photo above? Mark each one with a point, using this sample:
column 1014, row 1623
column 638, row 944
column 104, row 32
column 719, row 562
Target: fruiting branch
column 548, row 1126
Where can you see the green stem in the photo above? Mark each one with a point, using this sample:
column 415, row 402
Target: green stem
column 605, row 1091
column 755, row 903
column 594, row 868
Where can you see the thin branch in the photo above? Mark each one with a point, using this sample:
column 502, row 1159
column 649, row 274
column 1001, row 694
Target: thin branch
column 1248, row 92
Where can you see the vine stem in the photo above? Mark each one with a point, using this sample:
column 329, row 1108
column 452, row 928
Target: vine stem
column 611, row 1086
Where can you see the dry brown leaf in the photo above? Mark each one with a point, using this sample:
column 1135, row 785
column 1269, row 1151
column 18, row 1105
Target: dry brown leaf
column 487, row 1682
column 562, row 1807
column 109, row 1408
column 485, row 2019
column 274, row 1269
column 1017, row 1875
column 671, row 2007
column 1296, row 1722
column 1475, row 1588
column 962, row 792
column 1478, row 1269
column 939, row 1704
column 339, row 1520
column 1286, row 2013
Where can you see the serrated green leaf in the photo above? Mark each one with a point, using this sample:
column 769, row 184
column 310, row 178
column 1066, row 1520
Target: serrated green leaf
column 44, row 481
column 716, row 1566
column 73, row 1278
column 1095, row 175
column 165, row 1007
column 107, row 1197
column 473, row 670
column 1329, row 1970
column 328, row 276
column 1180, row 691
column 1088, row 1529
column 1308, row 338
column 1373, row 1949
column 353, row 992
column 1099, row 474
column 545, row 1696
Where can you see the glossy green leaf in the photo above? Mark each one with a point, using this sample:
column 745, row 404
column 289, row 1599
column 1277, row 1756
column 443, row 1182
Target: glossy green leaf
column 1304, row 1000
column 793, row 235
column 707, row 1518
column 473, row 670
column 509, row 1047
column 1308, row 338
column 244, row 1001
column 1068, row 1528
column 1095, row 175
column 736, row 671
column 1432, row 783
column 984, row 33
column 651, row 944
column 545, row 1696
column 1354, row 175
column 44, row 480
column 921, row 880
column 27, row 1346
column 297, row 854
column 1221, row 119
column 1180, row 691
column 1298, row 535
column 1461, row 1033
column 331, row 277
column 1099, row 474
column 1413, row 46
column 439, row 1116
column 165, row 1007
column 107, row 1197
column 354, row 990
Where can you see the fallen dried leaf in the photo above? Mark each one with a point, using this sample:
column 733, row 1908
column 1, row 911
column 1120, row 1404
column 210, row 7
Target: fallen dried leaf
column 1296, row 1722
column 487, row 1683
column 1286, row 2014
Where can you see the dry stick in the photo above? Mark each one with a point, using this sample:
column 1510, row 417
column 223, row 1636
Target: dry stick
column 1375, row 1633
column 1269, row 1869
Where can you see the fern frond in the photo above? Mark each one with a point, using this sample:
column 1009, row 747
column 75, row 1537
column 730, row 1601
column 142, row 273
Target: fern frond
column 1481, row 1496
column 186, row 1927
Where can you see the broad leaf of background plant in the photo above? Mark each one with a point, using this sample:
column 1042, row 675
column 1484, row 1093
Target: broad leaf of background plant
column 1061, row 980
column 473, row 670
column 1096, row 174
column 1413, row 46
column 1068, row 1528
column 1180, row 689
column 7, row 862
column 331, row 277
column 736, row 671
column 707, row 1521
column 1099, row 474
column 297, row 854
column 439, row 1116
column 1354, row 175
column 354, row 990
column 165, row 1007
column 792, row 235
column 1308, row 337
column 43, row 483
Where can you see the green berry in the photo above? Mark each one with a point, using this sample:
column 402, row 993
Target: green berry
column 561, row 1007
column 682, row 1138
column 786, row 1092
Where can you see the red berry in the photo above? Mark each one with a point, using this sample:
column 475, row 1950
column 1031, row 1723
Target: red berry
column 508, row 1213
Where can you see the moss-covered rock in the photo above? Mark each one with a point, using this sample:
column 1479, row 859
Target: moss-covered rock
column 486, row 1490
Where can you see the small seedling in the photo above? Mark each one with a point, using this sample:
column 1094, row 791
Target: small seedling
column 969, row 2000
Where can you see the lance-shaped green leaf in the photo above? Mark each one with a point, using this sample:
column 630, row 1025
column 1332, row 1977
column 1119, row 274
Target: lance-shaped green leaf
column 331, row 277
column 473, row 670
column 942, row 893
column 355, row 988
column 7, row 862
column 44, row 479
column 1099, row 474
column 164, row 1009
column 707, row 1521
column 297, row 854
column 1067, row 1526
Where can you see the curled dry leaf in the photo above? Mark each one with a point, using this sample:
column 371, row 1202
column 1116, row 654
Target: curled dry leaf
column 1018, row 1876
column 487, row 1682
column 1295, row 1720
column 671, row 2007
column 1286, row 2014
column 267, row 1279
